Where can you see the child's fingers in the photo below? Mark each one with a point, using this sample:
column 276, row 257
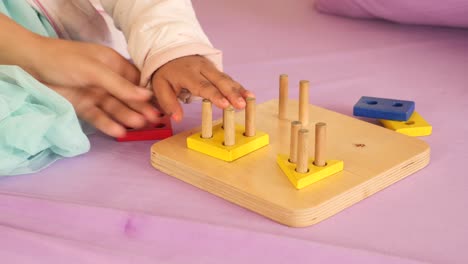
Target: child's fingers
column 232, row 90
column 122, row 113
column 101, row 121
column 117, row 85
column 200, row 86
column 167, row 99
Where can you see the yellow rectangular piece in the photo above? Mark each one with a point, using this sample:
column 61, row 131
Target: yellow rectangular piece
column 416, row 126
column 375, row 158
column 315, row 174
column 214, row 146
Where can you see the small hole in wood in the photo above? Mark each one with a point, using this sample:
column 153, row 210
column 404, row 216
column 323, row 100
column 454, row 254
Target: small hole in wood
column 246, row 135
column 409, row 123
column 397, row 104
column 302, row 172
column 226, row 145
column 371, row 102
column 359, row 145
column 313, row 163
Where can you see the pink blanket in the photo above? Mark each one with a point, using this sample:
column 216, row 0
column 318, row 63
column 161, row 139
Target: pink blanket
column 452, row 13
column 111, row 206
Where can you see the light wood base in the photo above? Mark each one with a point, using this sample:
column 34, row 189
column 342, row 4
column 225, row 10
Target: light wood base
column 374, row 158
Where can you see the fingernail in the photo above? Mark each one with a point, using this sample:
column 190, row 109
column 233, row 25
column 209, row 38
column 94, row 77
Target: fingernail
column 120, row 131
column 241, row 101
column 250, row 94
column 175, row 117
column 225, row 102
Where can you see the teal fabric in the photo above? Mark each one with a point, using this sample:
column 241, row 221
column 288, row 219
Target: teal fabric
column 28, row 17
column 37, row 125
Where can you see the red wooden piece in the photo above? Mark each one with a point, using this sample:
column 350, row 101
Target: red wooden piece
column 160, row 130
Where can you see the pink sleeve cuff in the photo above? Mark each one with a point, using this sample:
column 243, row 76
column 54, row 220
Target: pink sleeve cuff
column 154, row 61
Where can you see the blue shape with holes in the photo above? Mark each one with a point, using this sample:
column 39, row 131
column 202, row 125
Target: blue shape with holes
column 382, row 108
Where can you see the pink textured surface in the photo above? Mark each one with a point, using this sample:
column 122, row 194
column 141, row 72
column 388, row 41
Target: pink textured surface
column 111, row 206
column 450, row 13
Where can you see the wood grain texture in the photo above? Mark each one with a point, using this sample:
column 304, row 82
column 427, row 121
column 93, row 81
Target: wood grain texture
column 229, row 127
column 374, row 158
column 295, row 126
column 320, row 144
column 302, row 151
column 304, row 102
column 283, row 96
column 207, row 119
column 250, row 117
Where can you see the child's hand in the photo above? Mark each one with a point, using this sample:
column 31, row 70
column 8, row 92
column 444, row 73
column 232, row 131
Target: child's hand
column 100, row 84
column 199, row 76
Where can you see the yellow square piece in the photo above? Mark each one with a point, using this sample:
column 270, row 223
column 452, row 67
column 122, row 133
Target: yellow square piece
column 215, row 147
column 416, row 126
column 315, row 174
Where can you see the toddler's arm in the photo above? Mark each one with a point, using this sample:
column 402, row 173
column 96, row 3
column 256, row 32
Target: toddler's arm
column 158, row 31
column 173, row 53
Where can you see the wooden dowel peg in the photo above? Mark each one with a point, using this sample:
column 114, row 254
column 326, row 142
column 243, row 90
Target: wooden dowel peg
column 302, row 151
column 229, row 127
column 304, row 102
column 207, row 119
column 250, row 117
column 283, row 96
column 295, row 126
column 320, row 144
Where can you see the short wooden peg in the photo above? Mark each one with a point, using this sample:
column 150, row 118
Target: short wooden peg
column 295, row 126
column 250, row 117
column 304, row 102
column 207, row 119
column 302, row 151
column 283, row 96
column 229, row 127
column 320, row 144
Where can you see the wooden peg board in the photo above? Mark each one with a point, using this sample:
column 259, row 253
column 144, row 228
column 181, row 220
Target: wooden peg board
column 374, row 158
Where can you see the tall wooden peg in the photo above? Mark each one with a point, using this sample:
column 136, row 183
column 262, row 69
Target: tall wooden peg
column 320, row 144
column 302, row 151
column 295, row 126
column 304, row 102
column 283, row 96
column 207, row 119
column 229, row 127
column 250, row 117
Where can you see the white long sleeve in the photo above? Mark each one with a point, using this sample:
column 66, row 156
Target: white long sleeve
column 158, row 31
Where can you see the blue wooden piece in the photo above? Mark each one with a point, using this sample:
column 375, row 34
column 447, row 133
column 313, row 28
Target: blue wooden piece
column 381, row 108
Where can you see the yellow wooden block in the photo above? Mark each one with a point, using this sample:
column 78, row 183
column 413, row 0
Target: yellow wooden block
column 315, row 174
column 416, row 126
column 214, row 146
